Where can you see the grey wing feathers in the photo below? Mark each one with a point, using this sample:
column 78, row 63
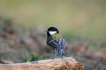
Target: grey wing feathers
column 52, row 43
column 57, row 45
column 61, row 46
column 61, row 43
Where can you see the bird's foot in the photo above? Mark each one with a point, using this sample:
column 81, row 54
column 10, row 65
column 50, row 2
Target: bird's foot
column 52, row 57
column 63, row 56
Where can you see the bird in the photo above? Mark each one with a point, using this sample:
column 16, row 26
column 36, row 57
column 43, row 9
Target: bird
column 55, row 41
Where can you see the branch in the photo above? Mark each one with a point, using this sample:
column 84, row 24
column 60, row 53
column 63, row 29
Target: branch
column 67, row 63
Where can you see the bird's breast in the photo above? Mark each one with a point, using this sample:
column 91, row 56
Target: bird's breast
column 51, row 48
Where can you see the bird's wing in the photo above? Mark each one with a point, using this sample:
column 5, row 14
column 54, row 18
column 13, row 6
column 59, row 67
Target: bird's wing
column 57, row 45
column 61, row 46
column 61, row 43
column 52, row 43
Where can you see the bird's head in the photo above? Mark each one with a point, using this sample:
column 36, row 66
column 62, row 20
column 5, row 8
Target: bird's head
column 51, row 31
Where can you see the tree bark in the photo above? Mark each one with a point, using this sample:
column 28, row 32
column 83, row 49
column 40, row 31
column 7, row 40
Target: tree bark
column 67, row 63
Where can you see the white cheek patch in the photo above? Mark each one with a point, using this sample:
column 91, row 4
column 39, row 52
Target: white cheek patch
column 52, row 32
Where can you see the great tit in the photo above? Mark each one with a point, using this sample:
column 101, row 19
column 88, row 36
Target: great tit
column 55, row 41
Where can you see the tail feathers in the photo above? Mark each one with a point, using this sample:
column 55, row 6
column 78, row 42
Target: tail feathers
column 59, row 52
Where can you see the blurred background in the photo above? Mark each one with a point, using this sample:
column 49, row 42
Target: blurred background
column 81, row 22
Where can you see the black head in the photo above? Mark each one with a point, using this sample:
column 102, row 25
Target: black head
column 52, row 29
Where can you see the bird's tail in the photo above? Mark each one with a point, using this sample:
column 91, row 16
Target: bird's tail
column 59, row 52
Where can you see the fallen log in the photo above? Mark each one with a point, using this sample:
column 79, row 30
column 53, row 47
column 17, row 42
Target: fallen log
column 67, row 63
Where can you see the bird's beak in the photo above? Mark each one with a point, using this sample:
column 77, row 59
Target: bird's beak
column 46, row 31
